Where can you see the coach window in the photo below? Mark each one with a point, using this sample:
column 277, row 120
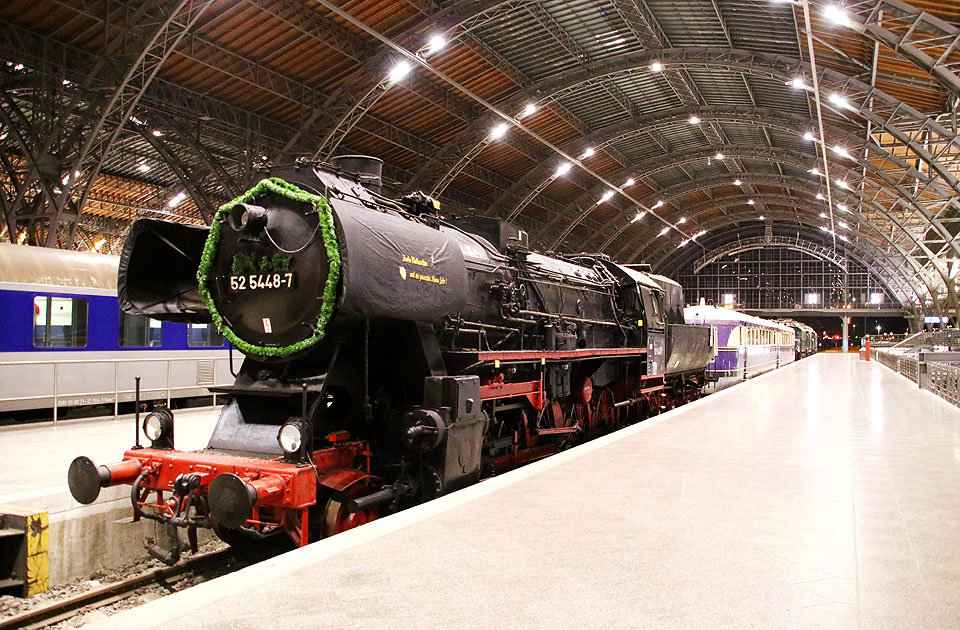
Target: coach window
column 137, row 331
column 59, row 322
column 203, row 336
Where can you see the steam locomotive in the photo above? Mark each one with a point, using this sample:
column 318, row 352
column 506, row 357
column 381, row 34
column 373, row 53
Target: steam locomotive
column 391, row 355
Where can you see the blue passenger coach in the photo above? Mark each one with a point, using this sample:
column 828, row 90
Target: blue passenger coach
column 65, row 343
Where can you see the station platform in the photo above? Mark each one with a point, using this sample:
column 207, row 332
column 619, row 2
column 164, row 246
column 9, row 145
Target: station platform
column 825, row 494
column 36, row 456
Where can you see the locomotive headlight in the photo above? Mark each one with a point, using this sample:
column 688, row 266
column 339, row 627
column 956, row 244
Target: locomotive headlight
column 292, row 436
column 158, row 427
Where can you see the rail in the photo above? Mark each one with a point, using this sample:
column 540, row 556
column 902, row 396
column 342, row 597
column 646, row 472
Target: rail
column 116, row 392
column 945, row 381
column 937, row 371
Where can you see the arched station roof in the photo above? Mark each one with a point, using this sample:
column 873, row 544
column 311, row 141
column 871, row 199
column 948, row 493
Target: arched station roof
column 707, row 108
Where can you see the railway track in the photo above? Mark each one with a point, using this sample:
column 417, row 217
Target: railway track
column 206, row 565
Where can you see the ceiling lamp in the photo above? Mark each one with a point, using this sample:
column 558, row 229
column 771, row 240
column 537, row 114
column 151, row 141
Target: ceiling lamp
column 837, row 15
column 436, row 43
column 656, row 66
column 399, row 71
column 499, row 131
column 563, row 169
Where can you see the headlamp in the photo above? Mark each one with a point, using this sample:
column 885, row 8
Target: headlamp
column 292, row 436
column 158, row 427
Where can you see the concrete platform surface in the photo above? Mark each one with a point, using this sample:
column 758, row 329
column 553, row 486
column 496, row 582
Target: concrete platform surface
column 33, row 472
column 823, row 495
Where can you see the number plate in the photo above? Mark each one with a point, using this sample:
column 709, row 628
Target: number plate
column 262, row 281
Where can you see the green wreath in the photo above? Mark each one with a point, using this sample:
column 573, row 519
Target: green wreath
column 328, row 232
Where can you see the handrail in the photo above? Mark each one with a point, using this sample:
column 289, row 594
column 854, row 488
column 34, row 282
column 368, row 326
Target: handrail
column 117, row 390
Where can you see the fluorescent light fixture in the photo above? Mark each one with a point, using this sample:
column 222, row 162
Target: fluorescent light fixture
column 837, row 15
column 499, row 131
column 564, row 168
column 606, row 196
column 811, row 298
column 399, row 71
column 656, row 66
column 728, row 299
column 436, row 43
column 694, row 120
column 876, row 298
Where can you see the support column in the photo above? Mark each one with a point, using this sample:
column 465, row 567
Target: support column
column 846, row 330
